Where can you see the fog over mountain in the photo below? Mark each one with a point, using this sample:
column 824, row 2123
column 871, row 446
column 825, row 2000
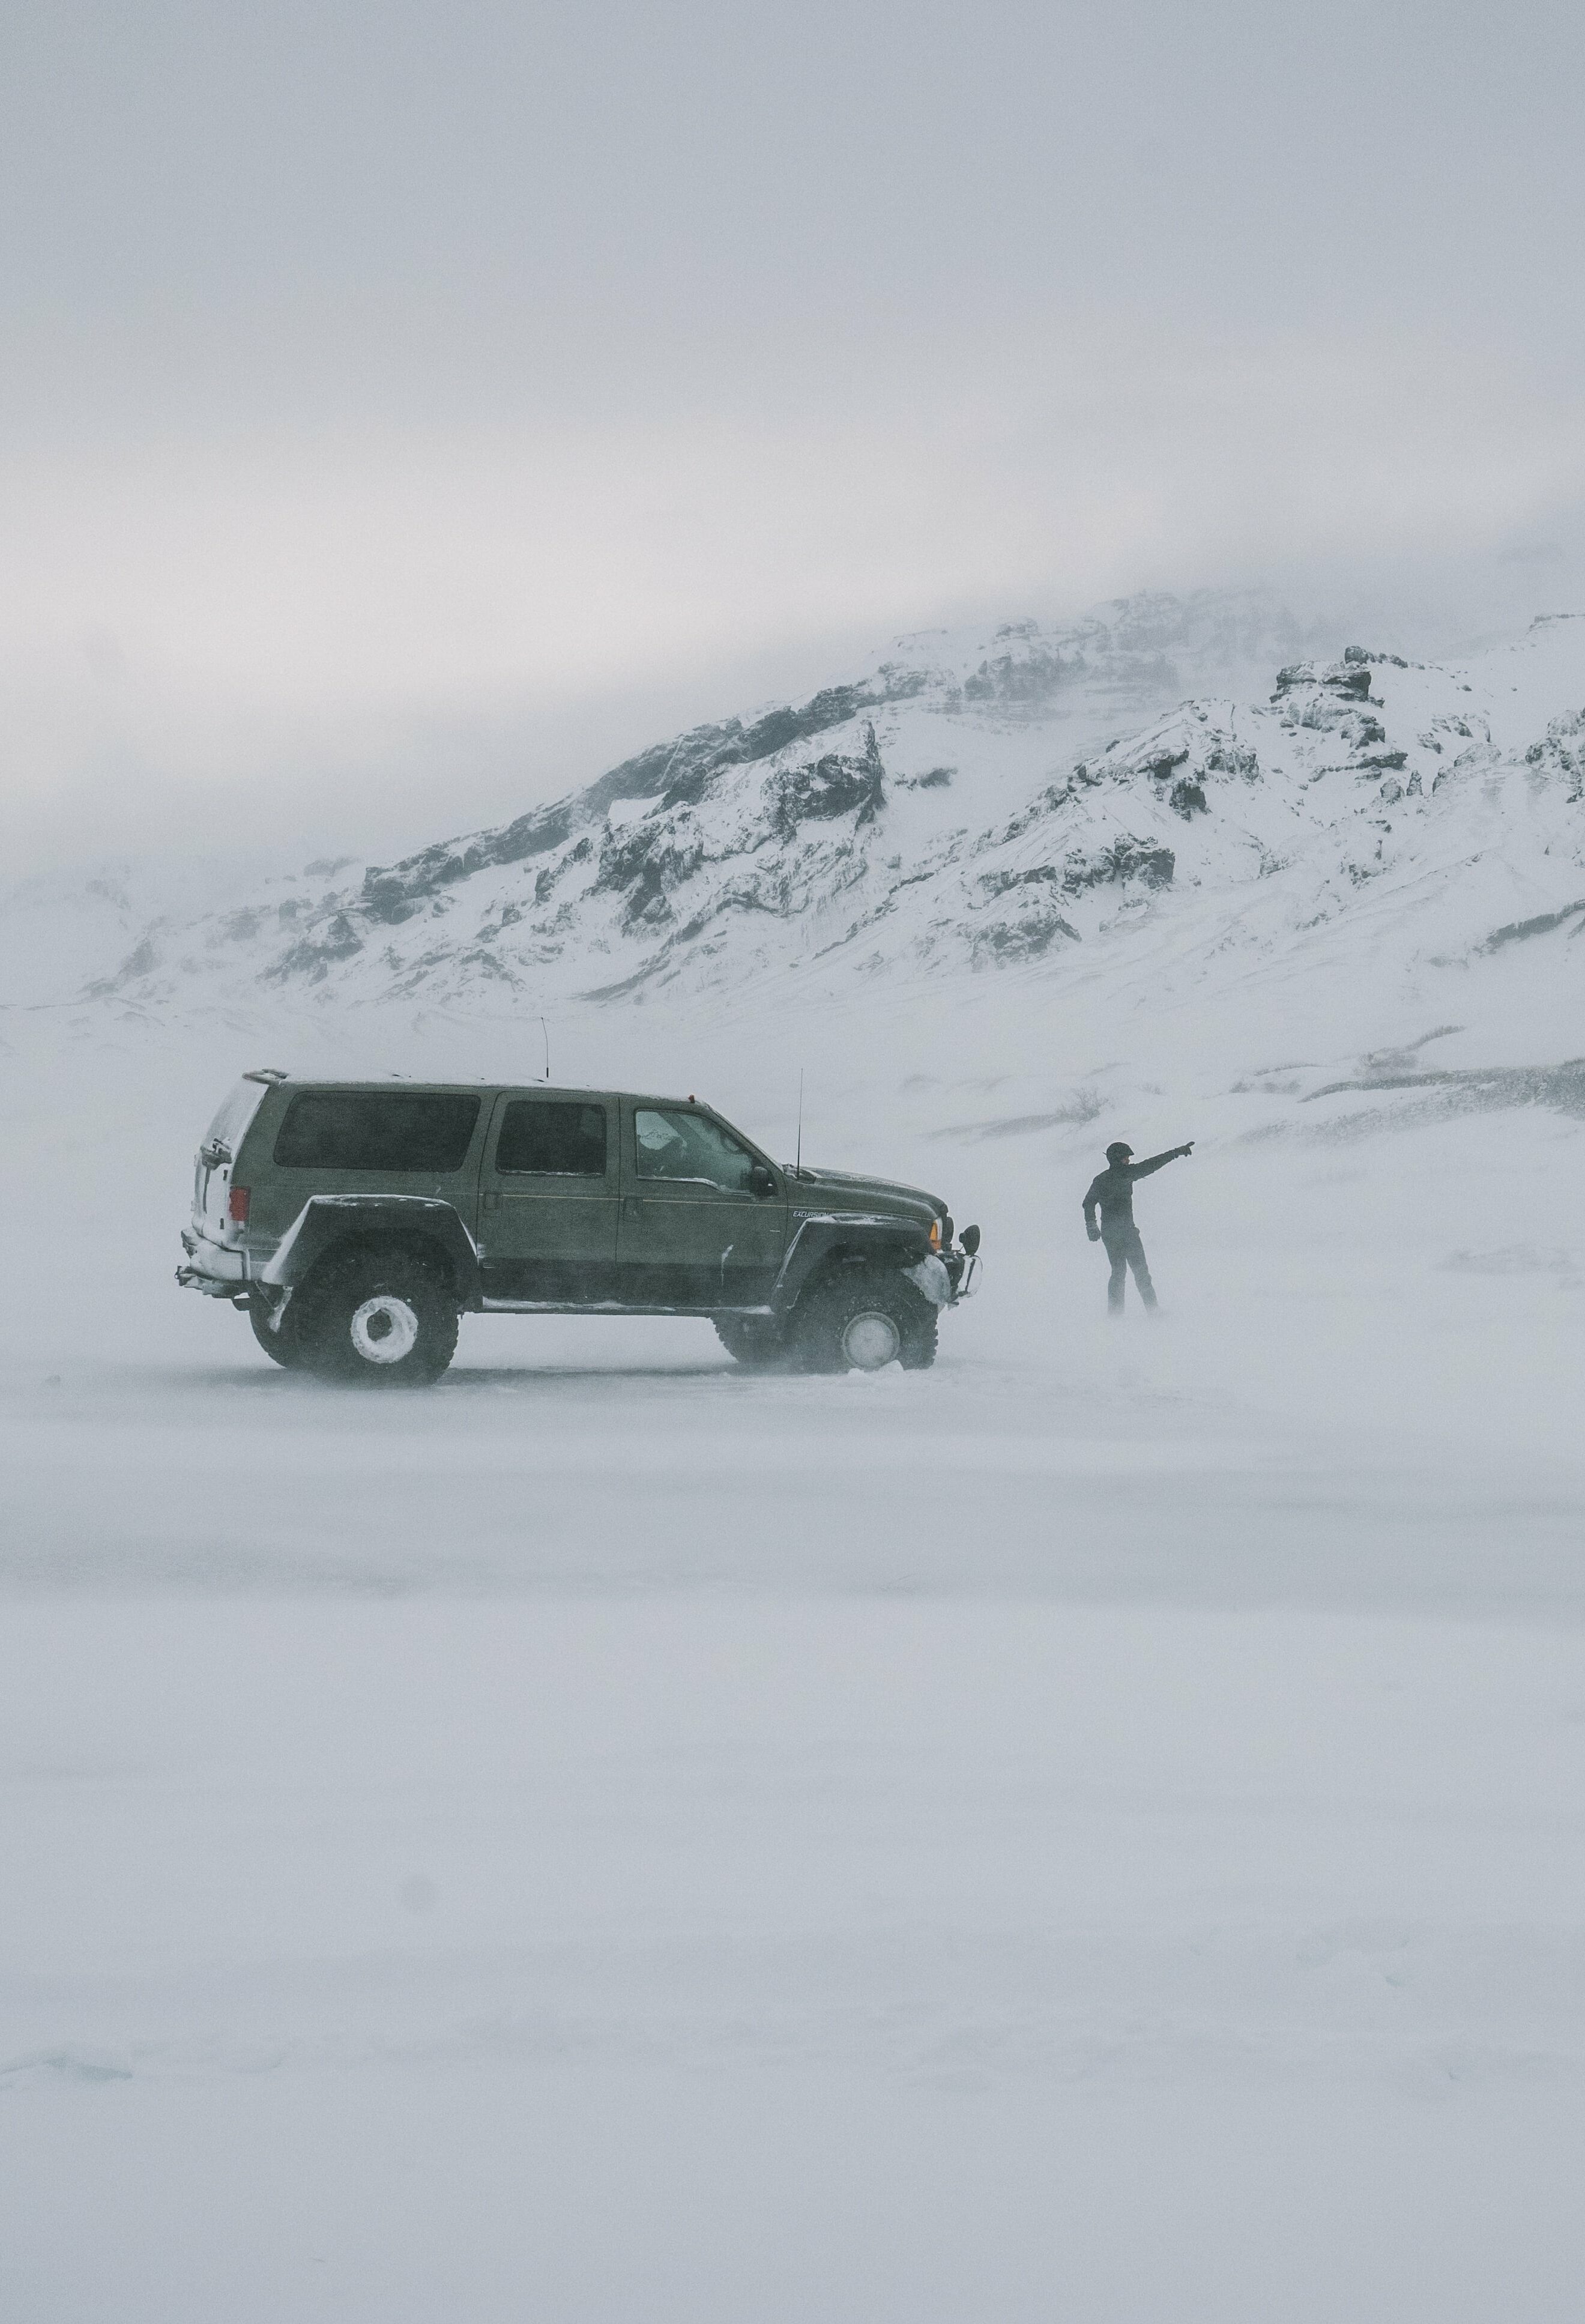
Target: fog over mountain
column 1183, row 788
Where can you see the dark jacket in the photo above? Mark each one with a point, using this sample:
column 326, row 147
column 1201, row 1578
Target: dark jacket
column 1112, row 1194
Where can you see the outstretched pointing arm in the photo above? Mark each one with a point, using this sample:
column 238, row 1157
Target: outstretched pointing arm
column 1159, row 1161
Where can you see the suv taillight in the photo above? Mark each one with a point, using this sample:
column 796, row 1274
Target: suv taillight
column 236, row 1206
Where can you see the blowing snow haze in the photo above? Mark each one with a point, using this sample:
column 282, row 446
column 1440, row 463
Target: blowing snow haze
column 962, row 588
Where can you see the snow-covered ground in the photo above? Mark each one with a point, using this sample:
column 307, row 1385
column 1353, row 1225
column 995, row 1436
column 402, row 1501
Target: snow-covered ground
column 1095, row 1831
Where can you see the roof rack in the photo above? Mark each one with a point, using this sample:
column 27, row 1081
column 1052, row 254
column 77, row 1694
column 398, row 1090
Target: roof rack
column 271, row 1074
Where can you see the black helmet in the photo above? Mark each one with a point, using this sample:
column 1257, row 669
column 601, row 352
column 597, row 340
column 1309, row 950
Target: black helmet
column 1119, row 1152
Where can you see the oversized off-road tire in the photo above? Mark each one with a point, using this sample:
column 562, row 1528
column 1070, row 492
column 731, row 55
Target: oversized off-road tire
column 756, row 1342
column 280, row 1346
column 380, row 1319
column 863, row 1318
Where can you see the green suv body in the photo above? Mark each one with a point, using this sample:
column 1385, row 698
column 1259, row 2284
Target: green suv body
column 355, row 1221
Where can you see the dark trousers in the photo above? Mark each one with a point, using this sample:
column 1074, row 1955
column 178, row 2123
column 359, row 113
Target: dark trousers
column 1125, row 1250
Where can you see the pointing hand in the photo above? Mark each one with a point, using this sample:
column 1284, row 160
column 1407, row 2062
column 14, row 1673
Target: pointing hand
column 1189, row 1148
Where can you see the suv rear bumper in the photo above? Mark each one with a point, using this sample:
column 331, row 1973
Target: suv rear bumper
column 218, row 1273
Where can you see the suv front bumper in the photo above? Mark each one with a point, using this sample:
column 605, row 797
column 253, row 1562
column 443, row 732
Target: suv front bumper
column 963, row 1271
column 945, row 1277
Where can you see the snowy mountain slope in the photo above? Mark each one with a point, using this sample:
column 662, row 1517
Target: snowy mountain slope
column 785, row 787
column 1037, row 799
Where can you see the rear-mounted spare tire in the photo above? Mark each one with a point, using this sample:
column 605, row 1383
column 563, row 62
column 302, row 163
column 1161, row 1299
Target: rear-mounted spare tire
column 376, row 1319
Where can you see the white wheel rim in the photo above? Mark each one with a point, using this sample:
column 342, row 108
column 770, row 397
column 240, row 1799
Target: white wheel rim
column 869, row 1341
column 384, row 1329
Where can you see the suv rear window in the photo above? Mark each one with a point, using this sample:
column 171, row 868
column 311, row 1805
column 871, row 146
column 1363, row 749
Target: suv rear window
column 375, row 1130
column 558, row 1140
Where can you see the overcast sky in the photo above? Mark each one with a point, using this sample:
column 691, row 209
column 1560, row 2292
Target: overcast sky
column 407, row 408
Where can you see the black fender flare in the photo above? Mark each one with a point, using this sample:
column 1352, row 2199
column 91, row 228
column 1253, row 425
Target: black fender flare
column 827, row 1238
column 416, row 1221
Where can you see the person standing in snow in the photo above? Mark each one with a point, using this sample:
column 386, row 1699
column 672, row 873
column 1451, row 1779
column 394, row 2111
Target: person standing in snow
column 1112, row 1195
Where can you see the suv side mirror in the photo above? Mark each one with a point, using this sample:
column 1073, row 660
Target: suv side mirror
column 762, row 1181
column 970, row 1240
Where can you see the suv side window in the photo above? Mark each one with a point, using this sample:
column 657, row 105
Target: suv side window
column 551, row 1140
column 375, row 1130
column 689, row 1146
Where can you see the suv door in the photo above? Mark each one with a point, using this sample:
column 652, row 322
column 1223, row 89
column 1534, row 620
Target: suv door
column 547, row 1198
column 704, row 1215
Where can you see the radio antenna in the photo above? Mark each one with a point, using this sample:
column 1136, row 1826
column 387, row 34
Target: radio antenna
column 799, row 1164
column 546, row 1031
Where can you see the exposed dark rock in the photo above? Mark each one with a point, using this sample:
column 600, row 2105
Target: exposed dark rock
column 1028, row 937
column 1561, row 752
column 834, row 786
column 1542, row 924
column 395, row 894
column 678, row 773
column 387, row 897
column 313, row 956
column 1160, row 768
column 681, row 772
column 141, row 961
column 1232, row 758
column 240, row 926
column 1186, row 798
column 644, row 863
column 1347, row 677
column 1022, row 681
column 1479, row 1090
column 1125, row 859
column 996, row 883
column 545, row 882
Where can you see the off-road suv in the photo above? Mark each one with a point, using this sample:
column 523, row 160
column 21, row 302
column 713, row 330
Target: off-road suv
column 355, row 1221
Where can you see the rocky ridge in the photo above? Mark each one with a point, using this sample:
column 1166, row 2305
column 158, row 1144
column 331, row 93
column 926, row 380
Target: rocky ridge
column 1032, row 799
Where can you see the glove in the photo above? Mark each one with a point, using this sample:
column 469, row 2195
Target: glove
column 1095, row 1233
column 1189, row 1148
